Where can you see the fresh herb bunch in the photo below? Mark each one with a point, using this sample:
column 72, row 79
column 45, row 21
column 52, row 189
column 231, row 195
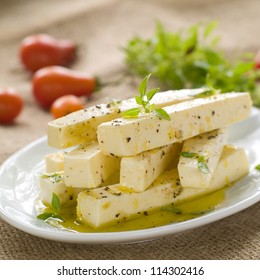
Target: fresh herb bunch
column 184, row 59
column 144, row 100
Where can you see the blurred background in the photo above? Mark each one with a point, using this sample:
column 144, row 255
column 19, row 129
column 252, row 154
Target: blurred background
column 100, row 29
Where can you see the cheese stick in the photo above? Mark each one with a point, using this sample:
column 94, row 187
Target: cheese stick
column 54, row 183
column 87, row 167
column 110, row 204
column 188, row 119
column 54, row 162
column 138, row 172
column 81, row 126
column 199, row 158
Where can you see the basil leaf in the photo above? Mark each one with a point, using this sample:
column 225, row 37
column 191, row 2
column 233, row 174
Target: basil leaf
column 188, row 154
column 55, row 202
column 45, row 216
column 138, row 100
column 143, row 85
column 203, row 167
column 132, row 113
column 257, row 167
column 162, row 114
column 150, row 94
column 55, row 177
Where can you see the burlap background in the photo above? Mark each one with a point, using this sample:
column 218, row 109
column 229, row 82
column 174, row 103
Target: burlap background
column 101, row 28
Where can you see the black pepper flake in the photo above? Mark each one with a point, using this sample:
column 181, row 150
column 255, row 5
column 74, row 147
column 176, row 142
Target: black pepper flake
column 108, row 105
column 119, row 111
column 93, row 117
column 128, row 139
column 104, row 196
column 71, row 197
column 111, row 154
column 106, row 188
column 213, row 113
column 211, row 137
column 157, row 130
column 117, row 215
column 163, row 154
column 145, row 213
column 98, row 106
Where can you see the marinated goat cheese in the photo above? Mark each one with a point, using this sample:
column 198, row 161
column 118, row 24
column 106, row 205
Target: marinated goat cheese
column 199, row 158
column 54, row 183
column 54, row 162
column 129, row 170
column 81, row 126
column 188, row 119
column 107, row 205
column 138, row 172
column 87, row 167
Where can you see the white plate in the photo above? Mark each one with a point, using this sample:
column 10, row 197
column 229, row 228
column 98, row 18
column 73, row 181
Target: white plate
column 18, row 190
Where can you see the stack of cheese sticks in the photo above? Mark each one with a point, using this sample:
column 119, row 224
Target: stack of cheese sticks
column 119, row 168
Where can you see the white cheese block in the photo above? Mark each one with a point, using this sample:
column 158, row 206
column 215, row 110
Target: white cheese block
column 54, row 162
column 87, row 167
column 138, row 172
column 232, row 166
column 54, row 183
column 206, row 149
column 81, row 126
column 110, row 204
column 188, row 119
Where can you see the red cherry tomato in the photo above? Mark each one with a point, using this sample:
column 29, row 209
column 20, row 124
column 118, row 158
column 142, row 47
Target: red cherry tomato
column 257, row 60
column 11, row 104
column 50, row 83
column 65, row 105
column 38, row 51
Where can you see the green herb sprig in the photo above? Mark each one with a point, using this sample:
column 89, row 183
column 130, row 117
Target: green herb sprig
column 202, row 161
column 144, row 100
column 183, row 59
column 257, row 167
column 54, row 177
column 56, row 206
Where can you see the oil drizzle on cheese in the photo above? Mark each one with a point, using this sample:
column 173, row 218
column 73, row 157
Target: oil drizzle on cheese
column 186, row 211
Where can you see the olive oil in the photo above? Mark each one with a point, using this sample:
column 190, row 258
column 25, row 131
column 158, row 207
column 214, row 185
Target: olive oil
column 164, row 216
